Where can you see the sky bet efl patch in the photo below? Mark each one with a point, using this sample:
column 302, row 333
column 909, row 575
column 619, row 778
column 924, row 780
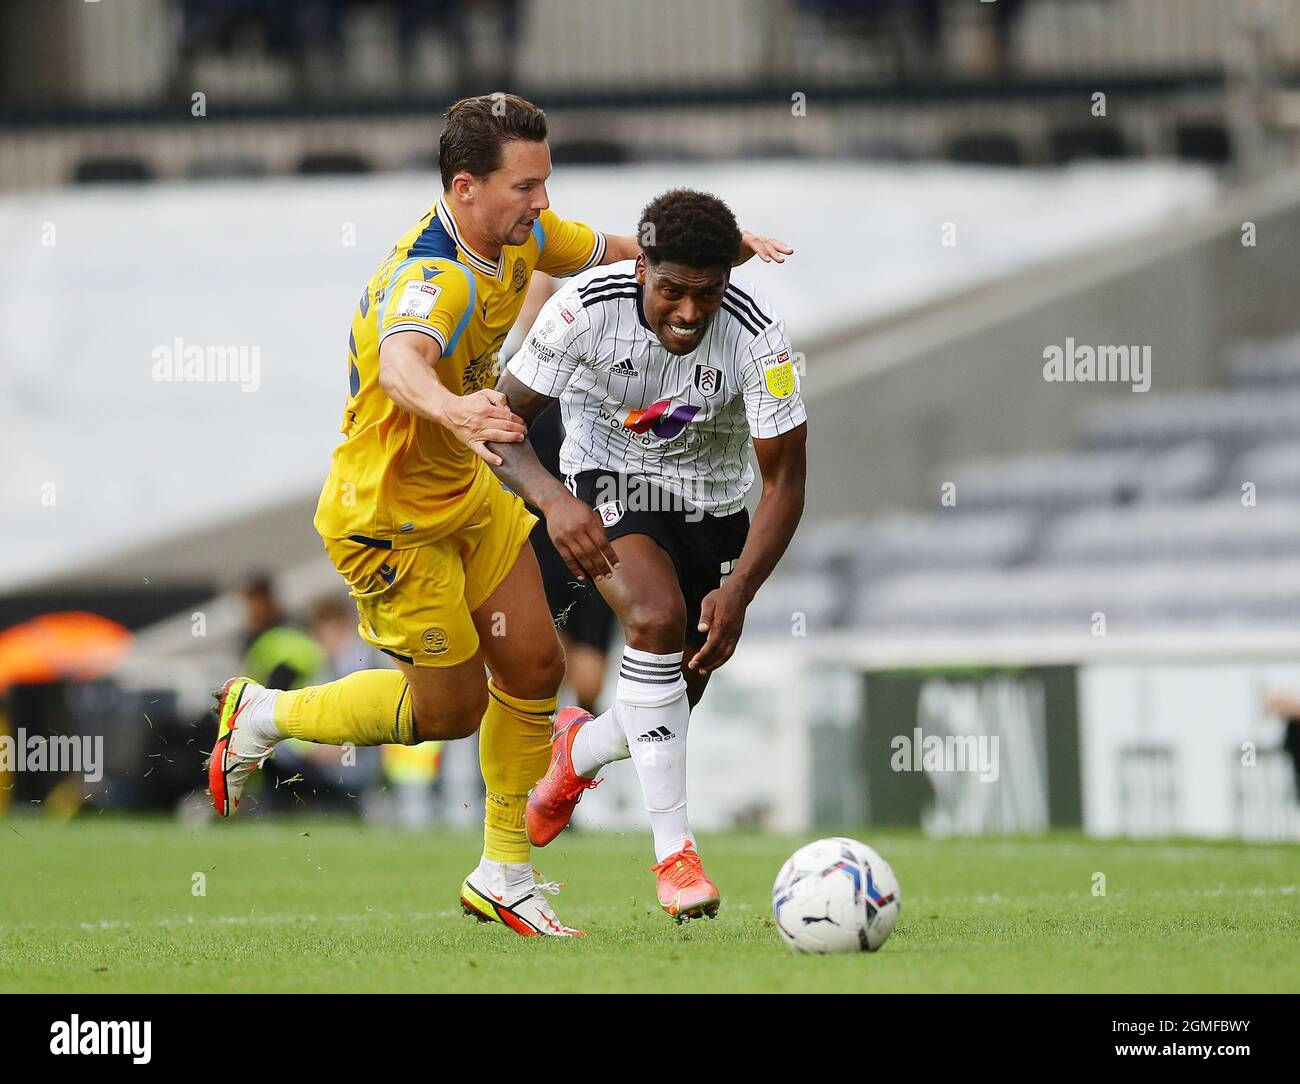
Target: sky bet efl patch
column 778, row 375
column 418, row 299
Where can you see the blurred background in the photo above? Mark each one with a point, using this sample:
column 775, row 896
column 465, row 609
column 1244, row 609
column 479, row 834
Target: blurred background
column 1102, row 574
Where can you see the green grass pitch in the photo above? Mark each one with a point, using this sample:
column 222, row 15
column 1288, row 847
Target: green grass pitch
column 102, row 904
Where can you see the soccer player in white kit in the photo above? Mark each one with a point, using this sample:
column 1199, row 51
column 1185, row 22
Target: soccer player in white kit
column 666, row 372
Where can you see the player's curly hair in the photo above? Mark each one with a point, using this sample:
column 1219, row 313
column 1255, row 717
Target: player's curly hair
column 688, row 227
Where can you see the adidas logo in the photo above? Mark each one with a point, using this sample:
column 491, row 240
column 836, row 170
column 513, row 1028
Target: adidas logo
column 624, row 368
column 660, row 733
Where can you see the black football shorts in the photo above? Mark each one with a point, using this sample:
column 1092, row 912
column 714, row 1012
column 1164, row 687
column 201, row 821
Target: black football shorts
column 704, row 548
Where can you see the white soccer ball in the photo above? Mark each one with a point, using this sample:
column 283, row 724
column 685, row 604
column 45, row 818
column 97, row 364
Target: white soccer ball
column 835, row 895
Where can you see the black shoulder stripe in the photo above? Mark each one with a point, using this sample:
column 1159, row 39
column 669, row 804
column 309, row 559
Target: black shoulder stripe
column 745, row 301
column 605, row 281
column 611, row 275
column 597, row 298
column 742, row 318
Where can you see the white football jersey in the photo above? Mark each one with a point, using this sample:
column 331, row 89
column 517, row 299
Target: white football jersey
column 632, row 407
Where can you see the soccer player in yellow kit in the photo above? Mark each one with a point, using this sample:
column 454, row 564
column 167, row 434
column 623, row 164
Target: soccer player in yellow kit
column 432, row 546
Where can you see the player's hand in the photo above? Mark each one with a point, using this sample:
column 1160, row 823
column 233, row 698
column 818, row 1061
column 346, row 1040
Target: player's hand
column 767, row 249
column 483, row 416
column 722, row 616
column 1283, row 705
column 580, row 538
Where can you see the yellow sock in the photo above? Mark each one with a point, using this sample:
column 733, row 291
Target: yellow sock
column 370, row 707
column 514, row 749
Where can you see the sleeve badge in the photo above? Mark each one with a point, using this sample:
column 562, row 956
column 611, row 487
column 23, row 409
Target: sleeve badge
column 418, row 299
column 778, row 375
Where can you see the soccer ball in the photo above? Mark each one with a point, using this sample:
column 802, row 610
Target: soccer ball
column 835, row 895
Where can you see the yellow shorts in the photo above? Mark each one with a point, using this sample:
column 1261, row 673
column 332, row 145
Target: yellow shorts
column 415, row 604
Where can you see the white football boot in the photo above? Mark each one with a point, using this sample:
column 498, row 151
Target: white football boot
column 238, row 752
column 511, row 895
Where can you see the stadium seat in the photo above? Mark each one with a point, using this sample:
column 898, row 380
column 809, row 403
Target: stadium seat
column 423, row 160
column 318, row 163
column 1070, row 144
column 831, row 562
column 1273, row 468
column 770, row 149
column 986, row 149
column 111, row 171
column 1184, row 472
column 1273, row 364
column 1046, row 484
column 784, row 597
column 589, row 152
column 943, row 539
column 883, row 149
column 1230, row 593
column 826, row 544
column 1221, row 528
column 215, row 168
column 1233, row 419
column 1200, row 141
column 665, row 153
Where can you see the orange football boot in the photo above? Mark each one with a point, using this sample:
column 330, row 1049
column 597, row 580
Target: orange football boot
column 685, row 890
column 552, row 801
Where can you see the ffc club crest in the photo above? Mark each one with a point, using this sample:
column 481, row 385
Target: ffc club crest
column 707, row 379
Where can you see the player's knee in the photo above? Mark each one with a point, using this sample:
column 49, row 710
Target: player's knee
column 549, row 674
column 444, row 719
column 535, row 675
column 447, row 725
column 656, row 625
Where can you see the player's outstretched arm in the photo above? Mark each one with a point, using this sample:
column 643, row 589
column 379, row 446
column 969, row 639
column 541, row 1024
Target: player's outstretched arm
column 619, row 248
column 783, row 463
column 408, row 377
column 575, row 529
column 767, row 249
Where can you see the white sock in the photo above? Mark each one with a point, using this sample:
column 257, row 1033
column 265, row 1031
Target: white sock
column 652, row 709
column 257, row 721
column 598, row 743
column 509, row 880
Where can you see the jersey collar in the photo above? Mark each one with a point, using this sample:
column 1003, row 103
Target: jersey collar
column 477, row 262
column 640, row 311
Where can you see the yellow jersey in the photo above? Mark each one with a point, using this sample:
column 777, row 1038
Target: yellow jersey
column 399, row 480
